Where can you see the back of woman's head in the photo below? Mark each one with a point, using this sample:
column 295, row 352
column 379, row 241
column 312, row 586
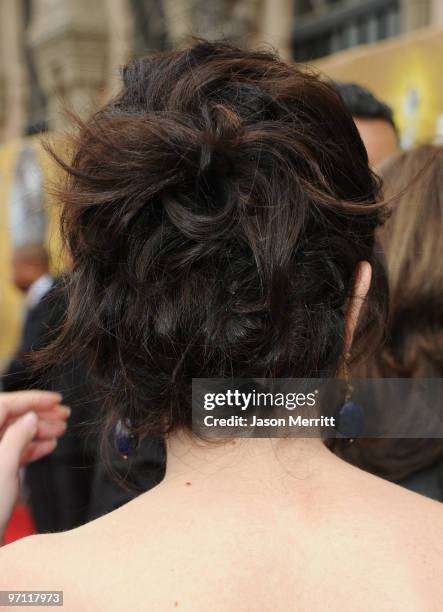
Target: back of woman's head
column 215, row 211
column 413, row 246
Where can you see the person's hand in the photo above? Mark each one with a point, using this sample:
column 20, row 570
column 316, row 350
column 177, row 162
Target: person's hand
column 30, row 423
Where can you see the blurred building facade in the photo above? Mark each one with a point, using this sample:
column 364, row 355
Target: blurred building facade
column 66, row 53
column 323, row 27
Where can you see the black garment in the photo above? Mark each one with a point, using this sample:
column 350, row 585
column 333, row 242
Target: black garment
column 39, row 321
column 60, row 484
column 123, row 479
column 428, row 482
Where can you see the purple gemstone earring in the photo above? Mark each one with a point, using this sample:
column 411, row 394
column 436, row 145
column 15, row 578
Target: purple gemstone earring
column 126, row 441
column 349, row 416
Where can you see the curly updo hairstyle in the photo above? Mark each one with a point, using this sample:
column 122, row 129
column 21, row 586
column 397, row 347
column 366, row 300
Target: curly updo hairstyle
column 215, row 212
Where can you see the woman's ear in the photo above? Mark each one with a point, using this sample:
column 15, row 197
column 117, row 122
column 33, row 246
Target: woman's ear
column 362, row 282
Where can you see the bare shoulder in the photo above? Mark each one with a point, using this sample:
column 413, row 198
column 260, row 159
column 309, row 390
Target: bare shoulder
column 25, row 563
column 53, row 562
column 414, row 522
column 403, row 501
column 29, row 562
column 418, row 527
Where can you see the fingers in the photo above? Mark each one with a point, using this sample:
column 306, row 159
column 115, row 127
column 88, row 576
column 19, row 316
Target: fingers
column 16, row 438
column 57, row 412
column 30, row 423
column 36, row 450
column 19, row 402
column 46, row 430
column 51, row 423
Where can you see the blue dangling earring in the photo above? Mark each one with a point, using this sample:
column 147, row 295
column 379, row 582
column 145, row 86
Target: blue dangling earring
column 126, row 441
column 349, row 416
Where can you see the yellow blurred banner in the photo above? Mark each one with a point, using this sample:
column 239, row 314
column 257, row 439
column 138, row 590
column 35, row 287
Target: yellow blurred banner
column 26, row 215
column 10, row 302
column 406, row 73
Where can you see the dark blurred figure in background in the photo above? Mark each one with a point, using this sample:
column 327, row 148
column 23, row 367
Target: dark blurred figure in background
column 413, row 244
column 59, row 485
column 374, row 120
column 118, row 481
column 30, row 271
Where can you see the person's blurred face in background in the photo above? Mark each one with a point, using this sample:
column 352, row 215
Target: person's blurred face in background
column 379, row 137
column 29, row 263
column 374, row 120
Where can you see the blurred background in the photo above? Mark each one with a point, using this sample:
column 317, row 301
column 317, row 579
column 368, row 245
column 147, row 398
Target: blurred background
column 67, row 53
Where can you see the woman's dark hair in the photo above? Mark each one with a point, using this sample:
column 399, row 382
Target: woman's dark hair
column 215, row 212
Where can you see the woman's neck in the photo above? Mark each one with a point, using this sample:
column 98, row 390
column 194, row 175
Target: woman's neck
column 244, row 460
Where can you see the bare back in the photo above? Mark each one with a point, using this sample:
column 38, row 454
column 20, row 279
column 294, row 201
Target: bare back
column 345, row 541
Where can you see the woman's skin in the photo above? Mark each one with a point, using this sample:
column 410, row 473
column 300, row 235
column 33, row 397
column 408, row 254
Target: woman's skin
column 248, row 525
